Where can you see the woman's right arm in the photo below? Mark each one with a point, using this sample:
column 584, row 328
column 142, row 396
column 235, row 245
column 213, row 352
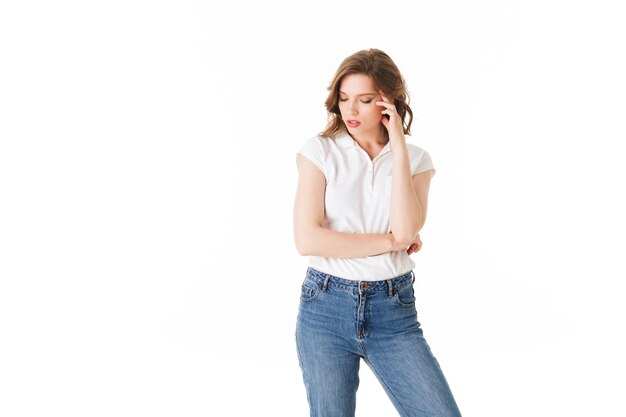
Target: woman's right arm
column 312, row 239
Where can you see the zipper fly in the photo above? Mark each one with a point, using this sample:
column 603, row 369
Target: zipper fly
column 361, row 323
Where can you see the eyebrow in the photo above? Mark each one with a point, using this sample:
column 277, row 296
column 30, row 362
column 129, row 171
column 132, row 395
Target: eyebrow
column 359, row 95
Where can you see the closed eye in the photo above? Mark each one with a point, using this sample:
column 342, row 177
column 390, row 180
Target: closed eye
column 362, row 101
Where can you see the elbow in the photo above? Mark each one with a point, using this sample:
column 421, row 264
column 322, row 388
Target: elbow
column 401, row 239
column 307, row 240
column 302, row 249
column 406, row 237
column 303, row 244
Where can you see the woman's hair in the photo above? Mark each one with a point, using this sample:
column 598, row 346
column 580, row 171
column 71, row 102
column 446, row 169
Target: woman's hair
column 385, row 76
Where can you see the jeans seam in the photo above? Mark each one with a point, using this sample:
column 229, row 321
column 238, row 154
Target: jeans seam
column 304, row 374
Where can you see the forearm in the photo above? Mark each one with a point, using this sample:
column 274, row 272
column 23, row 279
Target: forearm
column 406, row 214
column 321, row 241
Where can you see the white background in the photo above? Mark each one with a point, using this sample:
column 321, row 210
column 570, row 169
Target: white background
column 147, row 179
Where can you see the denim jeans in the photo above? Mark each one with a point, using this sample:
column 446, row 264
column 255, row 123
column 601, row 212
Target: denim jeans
column 342, row 321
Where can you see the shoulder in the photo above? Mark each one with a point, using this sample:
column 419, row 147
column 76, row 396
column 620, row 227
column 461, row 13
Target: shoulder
column 415, row 150
column 419, row 159
column 317, row 150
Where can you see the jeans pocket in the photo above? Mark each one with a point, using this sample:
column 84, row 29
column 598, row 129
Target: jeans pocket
column 310, row 290
column 405, row 296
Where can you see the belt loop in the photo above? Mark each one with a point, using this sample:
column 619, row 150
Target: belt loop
column 390, row 288
column 413, row 273
column 325, row 284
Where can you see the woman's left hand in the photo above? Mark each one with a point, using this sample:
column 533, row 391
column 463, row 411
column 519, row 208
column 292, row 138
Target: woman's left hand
column 394, row 124
column 416, row 245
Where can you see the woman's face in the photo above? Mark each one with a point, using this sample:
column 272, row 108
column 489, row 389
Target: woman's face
column 357, row 98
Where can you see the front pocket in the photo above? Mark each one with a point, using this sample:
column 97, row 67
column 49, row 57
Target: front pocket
column 405, row 296
column 310, row 290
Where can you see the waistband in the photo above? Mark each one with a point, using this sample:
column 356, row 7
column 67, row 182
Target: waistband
column 389, row 285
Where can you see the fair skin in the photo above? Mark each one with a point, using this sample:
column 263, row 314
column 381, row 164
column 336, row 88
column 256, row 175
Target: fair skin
column 360, row 102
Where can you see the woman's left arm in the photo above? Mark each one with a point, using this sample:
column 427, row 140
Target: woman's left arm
column 409, row 197
column 409, row 194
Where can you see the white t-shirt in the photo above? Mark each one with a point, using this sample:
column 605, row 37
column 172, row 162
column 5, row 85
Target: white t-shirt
column 357, row 200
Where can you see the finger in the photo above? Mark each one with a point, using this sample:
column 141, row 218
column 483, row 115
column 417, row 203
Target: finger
column 388, row 107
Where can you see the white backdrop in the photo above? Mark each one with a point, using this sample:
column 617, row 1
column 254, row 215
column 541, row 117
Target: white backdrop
column 147, row 181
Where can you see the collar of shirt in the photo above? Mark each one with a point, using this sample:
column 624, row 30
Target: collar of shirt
column 345, row 141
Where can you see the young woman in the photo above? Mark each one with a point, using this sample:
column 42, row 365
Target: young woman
column 361, row 200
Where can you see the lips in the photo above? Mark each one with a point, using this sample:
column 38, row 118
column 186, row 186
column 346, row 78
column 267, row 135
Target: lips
column 352, row 123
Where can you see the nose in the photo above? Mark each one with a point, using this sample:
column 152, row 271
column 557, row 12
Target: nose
column 352, row 107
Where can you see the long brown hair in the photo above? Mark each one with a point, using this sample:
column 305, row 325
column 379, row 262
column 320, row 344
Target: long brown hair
column 385, row 75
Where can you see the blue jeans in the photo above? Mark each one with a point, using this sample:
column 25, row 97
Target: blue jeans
column 341, row 321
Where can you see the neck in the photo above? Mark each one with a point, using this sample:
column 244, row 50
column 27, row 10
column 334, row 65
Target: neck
column 372, row 138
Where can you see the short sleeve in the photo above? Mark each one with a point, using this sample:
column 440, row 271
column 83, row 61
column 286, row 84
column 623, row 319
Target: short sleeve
column 421, row 161
column 314, row 152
